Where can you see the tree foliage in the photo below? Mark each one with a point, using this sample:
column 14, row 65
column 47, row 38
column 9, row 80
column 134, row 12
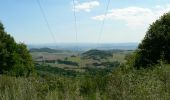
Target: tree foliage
column 156, row 44
column 14, row 58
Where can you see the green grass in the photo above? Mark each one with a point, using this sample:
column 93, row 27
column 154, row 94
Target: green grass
column 123, row 83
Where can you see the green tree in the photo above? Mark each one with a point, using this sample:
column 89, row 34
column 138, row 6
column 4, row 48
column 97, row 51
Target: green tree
column 14, row 58
column 156, row 44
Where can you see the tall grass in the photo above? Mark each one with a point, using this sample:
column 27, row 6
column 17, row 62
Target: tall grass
column 146, row 84
column 123, row 84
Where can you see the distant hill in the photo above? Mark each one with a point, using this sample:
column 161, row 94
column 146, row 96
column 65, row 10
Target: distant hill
column 45, row 50
column 97, row 54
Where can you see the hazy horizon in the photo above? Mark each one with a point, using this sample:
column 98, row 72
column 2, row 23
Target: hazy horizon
column 86, row 46
column 81, row 43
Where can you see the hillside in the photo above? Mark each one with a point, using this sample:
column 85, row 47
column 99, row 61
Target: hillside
column 97, row 54
column 45, row 50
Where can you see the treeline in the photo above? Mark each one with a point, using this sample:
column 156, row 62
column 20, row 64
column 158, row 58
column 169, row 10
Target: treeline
column 67, row 62
column 108, row 64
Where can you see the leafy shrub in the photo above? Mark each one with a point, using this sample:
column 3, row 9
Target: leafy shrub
column 14, row 58
column 156, row 44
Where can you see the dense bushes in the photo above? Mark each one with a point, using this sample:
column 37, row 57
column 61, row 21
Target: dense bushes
column 123, row 83
column 156, row 44
column 145, row 84
column 46, row 69
column 14, row 58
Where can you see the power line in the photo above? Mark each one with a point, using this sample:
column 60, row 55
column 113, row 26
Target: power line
column 75, row 20
column 46, row 21
column 103, row 22
column 76, row 30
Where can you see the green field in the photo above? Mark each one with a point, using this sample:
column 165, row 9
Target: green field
column 78, row 61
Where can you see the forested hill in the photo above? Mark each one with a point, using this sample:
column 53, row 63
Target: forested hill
column 97, row 54
column 45, row 50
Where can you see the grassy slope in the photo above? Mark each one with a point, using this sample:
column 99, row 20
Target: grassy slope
column 123, row 83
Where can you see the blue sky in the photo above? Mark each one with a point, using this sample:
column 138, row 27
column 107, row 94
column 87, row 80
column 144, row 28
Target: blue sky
column 126, row 20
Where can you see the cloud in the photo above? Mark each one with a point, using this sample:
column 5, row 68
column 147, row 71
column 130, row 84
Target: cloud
column 135, row 17
column 86, row 6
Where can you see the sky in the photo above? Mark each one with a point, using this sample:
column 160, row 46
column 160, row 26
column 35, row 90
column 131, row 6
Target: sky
column 126, row 21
